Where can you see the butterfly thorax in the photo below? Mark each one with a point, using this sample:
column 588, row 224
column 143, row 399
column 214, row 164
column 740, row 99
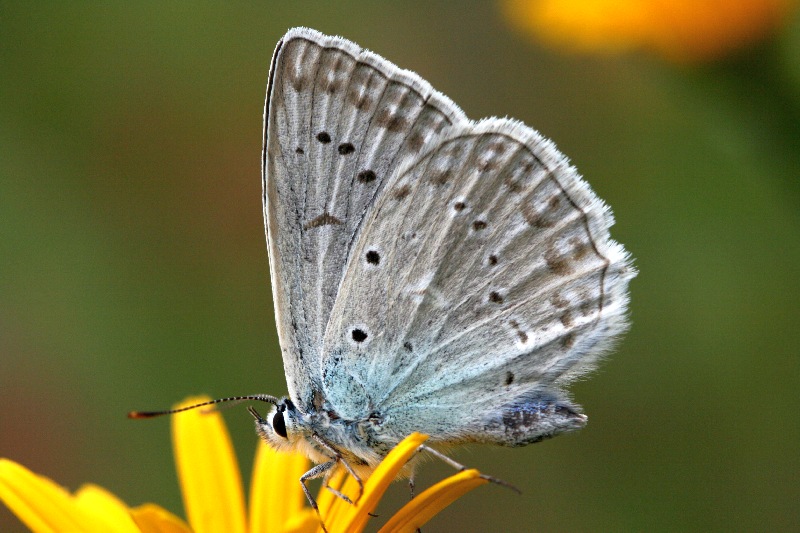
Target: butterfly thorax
column 321, row 435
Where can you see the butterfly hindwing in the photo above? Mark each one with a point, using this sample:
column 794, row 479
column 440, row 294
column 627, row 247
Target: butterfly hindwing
column 483, row 279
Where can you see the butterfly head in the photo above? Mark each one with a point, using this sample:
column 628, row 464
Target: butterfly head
column 282, row 427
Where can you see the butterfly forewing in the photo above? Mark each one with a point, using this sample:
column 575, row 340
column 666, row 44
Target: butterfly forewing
column 339, row 122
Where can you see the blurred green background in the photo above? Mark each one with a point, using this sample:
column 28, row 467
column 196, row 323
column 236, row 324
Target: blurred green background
column 133, row 269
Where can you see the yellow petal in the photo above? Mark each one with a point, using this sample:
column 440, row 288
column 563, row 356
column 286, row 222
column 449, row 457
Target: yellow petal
column 39, row 503
column 333, row 508
column 378, row 482
column 425, row 506
column 275, row 493
column 208, row 471
column 304, row 521
column 153, row 519
column 109, row 512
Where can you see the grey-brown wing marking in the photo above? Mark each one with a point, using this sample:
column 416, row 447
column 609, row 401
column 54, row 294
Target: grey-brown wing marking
column 485, row 276
column 338, row 122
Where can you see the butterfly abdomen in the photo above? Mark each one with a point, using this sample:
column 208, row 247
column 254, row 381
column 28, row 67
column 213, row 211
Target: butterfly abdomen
column 533, row 418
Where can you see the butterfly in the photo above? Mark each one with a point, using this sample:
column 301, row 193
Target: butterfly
column 430, row 273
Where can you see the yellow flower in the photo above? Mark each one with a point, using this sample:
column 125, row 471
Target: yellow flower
column 213, row 495
column 680, row 30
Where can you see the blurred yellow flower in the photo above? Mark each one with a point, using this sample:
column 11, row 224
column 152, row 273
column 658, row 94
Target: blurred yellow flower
column 213, row 495
column 680, row 30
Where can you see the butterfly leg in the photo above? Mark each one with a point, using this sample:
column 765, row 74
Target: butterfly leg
column 321, row 469
column 339, row 494
column 411, row 487
column 337, row 457
column 458, row 466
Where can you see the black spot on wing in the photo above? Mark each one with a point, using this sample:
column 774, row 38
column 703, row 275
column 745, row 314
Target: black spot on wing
column 366, row 176
column 346, row 149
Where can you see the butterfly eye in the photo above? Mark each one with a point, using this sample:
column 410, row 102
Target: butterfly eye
column 279, row 425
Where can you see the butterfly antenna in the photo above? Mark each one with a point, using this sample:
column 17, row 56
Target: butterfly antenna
column 254, row 397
